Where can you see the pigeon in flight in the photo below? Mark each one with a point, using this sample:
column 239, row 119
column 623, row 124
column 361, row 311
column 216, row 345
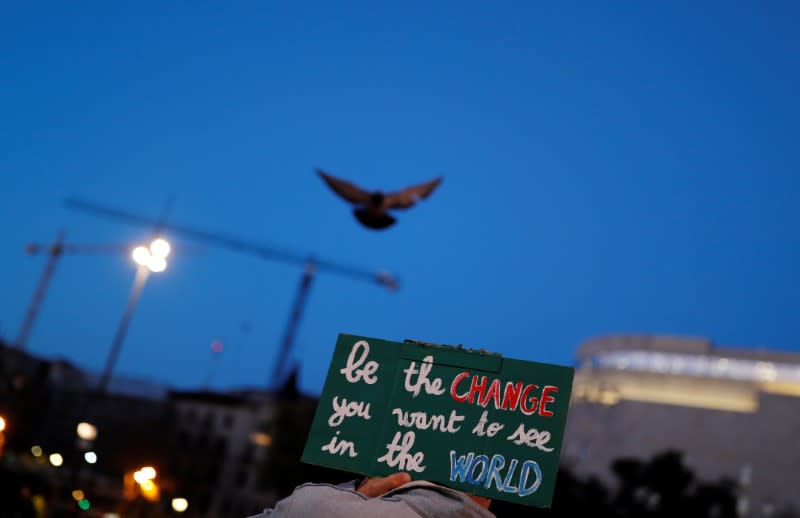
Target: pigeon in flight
column 372, row 207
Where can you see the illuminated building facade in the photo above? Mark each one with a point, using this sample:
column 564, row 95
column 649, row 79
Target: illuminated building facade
column 733, row 412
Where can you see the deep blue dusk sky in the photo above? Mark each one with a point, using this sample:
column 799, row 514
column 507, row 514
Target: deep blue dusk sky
column 625, row 168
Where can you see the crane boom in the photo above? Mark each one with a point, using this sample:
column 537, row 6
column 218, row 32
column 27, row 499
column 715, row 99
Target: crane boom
column 54, row 254
column 258, row 249
column 310, row 263
column 55, row 251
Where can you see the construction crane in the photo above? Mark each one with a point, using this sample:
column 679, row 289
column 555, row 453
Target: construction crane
column 55, row 251
column 310, row 264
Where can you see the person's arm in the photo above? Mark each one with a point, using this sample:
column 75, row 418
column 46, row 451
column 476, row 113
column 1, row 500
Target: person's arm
column 331, row 500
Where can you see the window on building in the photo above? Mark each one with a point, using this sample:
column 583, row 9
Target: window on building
column 190, row 416
column 225, row 507
column 247, row 453
column 183, row 438
column 211, row 474
column 220, row 445
column 241, row 478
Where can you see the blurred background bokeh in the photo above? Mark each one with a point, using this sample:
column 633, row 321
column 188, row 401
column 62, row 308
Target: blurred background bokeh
column 620, row 194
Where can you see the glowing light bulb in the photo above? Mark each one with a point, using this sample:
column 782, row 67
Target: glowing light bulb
column 157, row 264
column 141, row 255
column 139, row 478
column 160, row 248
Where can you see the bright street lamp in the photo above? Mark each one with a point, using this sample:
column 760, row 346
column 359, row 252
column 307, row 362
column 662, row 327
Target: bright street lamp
column 155, row 257
column 160, row 247
column 145, row 474
column 152, row 259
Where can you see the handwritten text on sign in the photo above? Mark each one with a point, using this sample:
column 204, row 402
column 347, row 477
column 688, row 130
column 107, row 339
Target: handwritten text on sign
column 473, row 421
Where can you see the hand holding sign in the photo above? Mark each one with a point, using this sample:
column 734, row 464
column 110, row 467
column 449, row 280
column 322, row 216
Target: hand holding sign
column 376, row 486
column 473, row 421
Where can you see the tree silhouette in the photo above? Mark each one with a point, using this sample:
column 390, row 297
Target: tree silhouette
column 664, row 486
column 660, row 487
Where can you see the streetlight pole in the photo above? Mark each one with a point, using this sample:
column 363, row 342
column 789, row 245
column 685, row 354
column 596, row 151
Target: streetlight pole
column 148, row 259
column 142, row 273
column 152, row 259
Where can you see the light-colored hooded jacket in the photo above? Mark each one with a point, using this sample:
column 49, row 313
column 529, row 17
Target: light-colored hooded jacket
column 411, row 500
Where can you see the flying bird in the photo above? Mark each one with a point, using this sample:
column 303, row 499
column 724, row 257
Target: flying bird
column 372, row 208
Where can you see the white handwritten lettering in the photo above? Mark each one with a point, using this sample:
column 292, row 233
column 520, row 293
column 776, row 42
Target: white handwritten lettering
column 533, row 438
column 398, row 454
column 421, row 420
column 347, row 409
column 340, row 447
column 352, row 371
column 431, row 387
column 494, row 427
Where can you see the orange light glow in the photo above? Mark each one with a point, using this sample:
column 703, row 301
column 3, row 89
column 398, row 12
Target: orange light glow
column 150, row 491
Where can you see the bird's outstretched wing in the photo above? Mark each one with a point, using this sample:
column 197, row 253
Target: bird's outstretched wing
column 345, row 189
column 408, row 197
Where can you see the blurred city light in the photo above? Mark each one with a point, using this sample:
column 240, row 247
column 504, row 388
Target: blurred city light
column 180, row 504
column 90, row 457
column 86, row 431
column 2, row 423
column 141, row 255
column 56, row 459
column 36, row 451
column 261, row 439
column 160, row 248
column 84, row 504
column 150, row 491
column 153, row 258
column 157, row 264
column 144, row 477
column 696, row 365
column 78, row 494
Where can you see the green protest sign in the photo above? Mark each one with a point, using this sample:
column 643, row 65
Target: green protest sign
column 470, row 420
